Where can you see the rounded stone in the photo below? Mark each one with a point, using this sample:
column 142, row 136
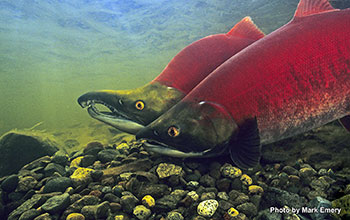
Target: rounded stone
column 141, row 212
column 230, row 171
column 246, row 180
column 148, row 201
column 232, row 212
column 173, row 215
column 26, row 183
column 56, row 203
column 59, row 184
column 10, row 183
column 254, row 189
column 165, row 170
column 81, row 176
column 207, row 208
column 93, row 148
column 75, row 216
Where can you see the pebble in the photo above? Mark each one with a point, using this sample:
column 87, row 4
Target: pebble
column 100, row 211
column 93, row 148
column 128, row 202
column 193, row 195
column 45, row 216
column 59, row 184
column 317, row 203
column 56, row 203
column 76, row 162
column 246, row 180
column 207, row 181
column 148, row 201
column 75, row 216
column 51, row 168
column 29, row 214
column 223, row 195
column 207, row 208
column 141, row 212
column 248, row 208
column 10, row 183
column 165, row 170
column 230, row 171
column 81, row 176
column 60, row 158
column 173, row 215
column 232, row 212
column 344, row 204
column 106, row 155
column 87, row 160
column 254, row 189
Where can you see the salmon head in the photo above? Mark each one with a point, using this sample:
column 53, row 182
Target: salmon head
column 190, row 129
column 131, row 110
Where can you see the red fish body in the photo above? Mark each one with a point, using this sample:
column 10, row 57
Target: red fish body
column 294, row 79
column 200, row 58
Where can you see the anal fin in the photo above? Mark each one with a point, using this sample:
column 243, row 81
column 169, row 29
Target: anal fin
column 345, row 121
column 245, row 151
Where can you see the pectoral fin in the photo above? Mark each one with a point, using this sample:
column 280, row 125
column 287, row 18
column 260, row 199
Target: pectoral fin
column 345, row 121
column 245, row 151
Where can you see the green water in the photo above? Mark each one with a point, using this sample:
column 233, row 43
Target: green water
column 51, row 52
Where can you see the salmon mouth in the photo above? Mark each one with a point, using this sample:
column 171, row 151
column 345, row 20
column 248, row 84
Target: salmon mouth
column 113, row 117
column 94, row 111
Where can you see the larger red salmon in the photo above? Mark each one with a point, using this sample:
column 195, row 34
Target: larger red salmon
column 131, row 110
column 293, row 80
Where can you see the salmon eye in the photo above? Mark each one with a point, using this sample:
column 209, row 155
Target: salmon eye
column 140, row 105
column 173, row 131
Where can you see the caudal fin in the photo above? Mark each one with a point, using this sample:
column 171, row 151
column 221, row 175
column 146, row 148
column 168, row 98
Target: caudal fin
column 246, row 29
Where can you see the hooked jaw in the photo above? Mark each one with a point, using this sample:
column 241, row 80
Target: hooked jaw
column 115, row 117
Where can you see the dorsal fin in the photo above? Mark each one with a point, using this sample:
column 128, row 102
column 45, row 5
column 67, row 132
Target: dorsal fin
column 246, row 29
column 310, row 7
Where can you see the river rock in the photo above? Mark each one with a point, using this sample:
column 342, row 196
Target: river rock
column 10, row 183
column 141, row 212
column 165, row 170
column 274, row 197
column 100, row 211
column 56, row 203
column 19, row 148
column 33, row 202
column 29, row 214
column 207, row 208
column 128, row 203
column 59, row 184
column 173, row 215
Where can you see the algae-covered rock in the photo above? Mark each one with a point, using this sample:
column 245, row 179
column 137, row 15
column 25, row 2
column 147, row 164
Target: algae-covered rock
column 19, row 148
column 81, row 176
column 165, row 170
column 207, row 208
column 344, row 204
column 56, row 203
column 141, row 212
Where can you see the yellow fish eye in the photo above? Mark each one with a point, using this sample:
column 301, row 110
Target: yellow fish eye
column 173, row 131
column 139, row 105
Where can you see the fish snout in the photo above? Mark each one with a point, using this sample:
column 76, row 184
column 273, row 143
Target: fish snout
column 147, row 133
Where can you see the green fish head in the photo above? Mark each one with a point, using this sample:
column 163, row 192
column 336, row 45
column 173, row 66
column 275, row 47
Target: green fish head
column 131, row 110
column 190, row 130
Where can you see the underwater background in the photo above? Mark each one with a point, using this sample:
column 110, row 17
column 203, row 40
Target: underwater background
column 51, row 52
